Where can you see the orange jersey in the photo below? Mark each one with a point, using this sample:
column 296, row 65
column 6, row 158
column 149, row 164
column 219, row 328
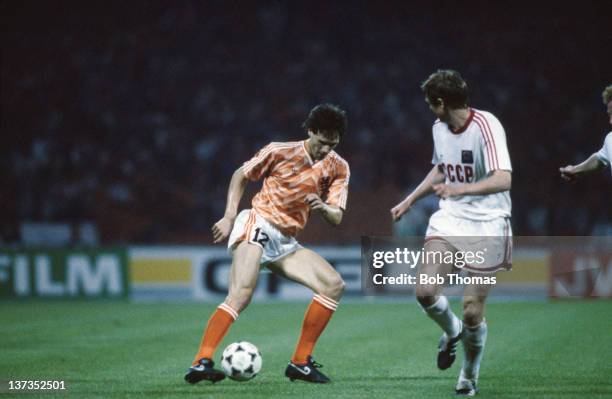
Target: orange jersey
column 289, row 176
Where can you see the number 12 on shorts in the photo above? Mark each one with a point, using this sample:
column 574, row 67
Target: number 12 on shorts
column 260, row 237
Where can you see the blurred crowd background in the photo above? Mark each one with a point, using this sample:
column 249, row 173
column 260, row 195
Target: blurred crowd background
column 125, row 120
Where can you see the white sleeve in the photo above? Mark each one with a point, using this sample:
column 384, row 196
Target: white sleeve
column 605, row 153
column 495, row 148
column 434, row 157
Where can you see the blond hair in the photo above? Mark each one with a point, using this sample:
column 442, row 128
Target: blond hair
column 607, row 94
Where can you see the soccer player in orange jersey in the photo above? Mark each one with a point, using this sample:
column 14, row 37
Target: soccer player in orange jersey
column 299, row 177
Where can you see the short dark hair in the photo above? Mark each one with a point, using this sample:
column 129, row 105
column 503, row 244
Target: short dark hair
column 326, row 118
column 447, row 85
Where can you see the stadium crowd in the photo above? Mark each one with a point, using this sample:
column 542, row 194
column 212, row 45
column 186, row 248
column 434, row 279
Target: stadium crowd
column 135, row 117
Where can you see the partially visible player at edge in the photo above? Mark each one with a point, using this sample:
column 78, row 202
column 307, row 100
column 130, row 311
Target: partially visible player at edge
column 600, row 159
column 299, row 177
column 472, row 176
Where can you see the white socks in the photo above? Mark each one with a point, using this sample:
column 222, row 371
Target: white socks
column 442, row 314
column 474, row 339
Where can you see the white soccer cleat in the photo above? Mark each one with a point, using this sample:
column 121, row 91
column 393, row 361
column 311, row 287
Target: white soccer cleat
column 466, row 387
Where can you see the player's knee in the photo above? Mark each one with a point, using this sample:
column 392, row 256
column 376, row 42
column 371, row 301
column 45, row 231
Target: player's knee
column 334, row 287
column 426, row 300
column 339, row 286
column 472, row 313
column 426, row 295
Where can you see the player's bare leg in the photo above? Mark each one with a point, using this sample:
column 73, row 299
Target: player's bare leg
column 242, row 281
column 474, row 337
column 436, row 305
column 243, row 275
column 310, row 269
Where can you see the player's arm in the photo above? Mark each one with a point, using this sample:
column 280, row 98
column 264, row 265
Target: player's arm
column 222, row 229
column 434, row 176
column 497, row 181
column 331, row 214
column 497, row 166
column 332, row 209
column 591, row 164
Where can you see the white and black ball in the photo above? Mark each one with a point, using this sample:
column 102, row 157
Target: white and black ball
column 241, row 361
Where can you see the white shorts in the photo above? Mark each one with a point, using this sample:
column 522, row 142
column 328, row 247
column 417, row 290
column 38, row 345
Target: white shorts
column 494, row 237
column 257, row 230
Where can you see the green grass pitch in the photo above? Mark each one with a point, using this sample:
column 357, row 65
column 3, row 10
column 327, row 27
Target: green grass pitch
column 371, row 349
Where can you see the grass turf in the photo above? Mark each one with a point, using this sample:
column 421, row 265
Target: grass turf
column 370, row 349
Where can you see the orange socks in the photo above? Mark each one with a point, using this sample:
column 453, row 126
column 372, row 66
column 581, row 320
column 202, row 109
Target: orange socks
column 218, row 325
column 316, row 318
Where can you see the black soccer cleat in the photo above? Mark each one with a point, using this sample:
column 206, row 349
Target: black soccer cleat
column 447, row 348
column 204, row 371
column 307, row 372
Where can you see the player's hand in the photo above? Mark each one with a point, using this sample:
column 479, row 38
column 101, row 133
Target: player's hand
column 399, row 210
column 222, row 229
column 568, row 173
column 444, row 190
column 315, row 202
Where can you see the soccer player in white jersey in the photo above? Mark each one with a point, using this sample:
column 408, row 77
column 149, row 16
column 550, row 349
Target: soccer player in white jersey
column 472, row 176
column 600, row 159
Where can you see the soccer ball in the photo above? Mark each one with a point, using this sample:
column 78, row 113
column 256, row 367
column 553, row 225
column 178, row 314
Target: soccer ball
column 241, row 361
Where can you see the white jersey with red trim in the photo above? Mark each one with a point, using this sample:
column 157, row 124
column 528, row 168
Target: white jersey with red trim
column 605, row 154
column 468, row 155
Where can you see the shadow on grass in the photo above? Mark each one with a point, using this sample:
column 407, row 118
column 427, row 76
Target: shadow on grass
column 558, row 392
column 398, row 378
